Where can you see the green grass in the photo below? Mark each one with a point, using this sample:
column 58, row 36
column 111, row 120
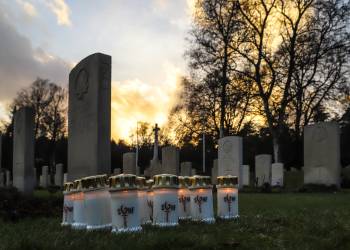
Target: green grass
column 268, row 221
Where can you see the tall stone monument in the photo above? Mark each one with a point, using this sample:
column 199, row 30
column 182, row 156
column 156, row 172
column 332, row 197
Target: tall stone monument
column 186, row 168
column 277, row 174
column 23, row 150
column 8, row 178
column 89, row 124
column 263, row 169
column 170, row 160
column 322, row 154
column 155, row 165
column 129, row 163
column 59, row 175
column 230, row 157
column 245, row 175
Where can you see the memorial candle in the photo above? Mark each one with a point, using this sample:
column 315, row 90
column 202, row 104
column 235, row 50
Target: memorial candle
column 227, row 194
column 67, row 218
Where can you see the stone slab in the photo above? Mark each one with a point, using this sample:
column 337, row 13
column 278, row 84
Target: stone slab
column 170, row 160
column 186, row 168
column 23, row 150
column 230, row 156
column 89, row 117
column 263, row 169
column 129, row 163
column 322, row 154
column 277, row 174
column 246, row 175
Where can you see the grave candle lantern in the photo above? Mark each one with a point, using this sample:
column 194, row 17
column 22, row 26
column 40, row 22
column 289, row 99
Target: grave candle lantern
column 79, row 217
column 67, row 218
column 142, row 200
column 97, row 202
column 184, row 196
column 124, row 203
column 202, row 199
column 150, row 196
column 227, row 194
column 165, row 200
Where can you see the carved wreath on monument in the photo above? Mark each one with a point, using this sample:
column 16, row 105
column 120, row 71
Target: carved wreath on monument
column 81, row 84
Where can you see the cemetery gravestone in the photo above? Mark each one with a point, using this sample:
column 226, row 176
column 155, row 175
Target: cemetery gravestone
column 263, row 169
column 277, row 174
column 59, row 175
column 170, row 160
column 230, row 156
column 65, row 177
column 8, row 178
column 246, row 175
column 322, row 154
column 89, row 125
column 129, row 163
column 117, row 171
column 45, row 177
column 23, row 150
column 193, row 171
column 214, row 171
column 186, row 168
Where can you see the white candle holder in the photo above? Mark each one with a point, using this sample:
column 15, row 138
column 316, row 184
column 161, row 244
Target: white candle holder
column 97, row 202
column 142, row 200
column 124, row 203
column 79, row 212
column 227, row 197
column 202, row 199
column 184, row 197
column 165, row 200
column 67, row 218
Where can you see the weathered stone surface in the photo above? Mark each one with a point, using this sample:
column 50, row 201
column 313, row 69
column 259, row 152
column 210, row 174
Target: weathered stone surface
column 23, row 150
column 170, row 160
column 44, row 181
column 8, row 178
column 89, row 114
column 214, row 172
column 129, row 163
column 65, row 177
column 59, row 175
column 263, row 169
column 186, row 168
column 117, row 171
column 147, row 172
column 230, row 156
column 245, row 175
column 322, row 154
column 155, row 167
column 277, row 174
column 138, row 171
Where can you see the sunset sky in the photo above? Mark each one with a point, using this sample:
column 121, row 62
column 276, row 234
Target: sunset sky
column 146, row 39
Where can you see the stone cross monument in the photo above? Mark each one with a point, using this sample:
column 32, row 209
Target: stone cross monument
column 155, row 148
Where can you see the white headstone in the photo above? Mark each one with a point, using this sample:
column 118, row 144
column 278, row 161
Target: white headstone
column 45, row 177
column 230, row 156
column 214, row 171
column 246, row 175
column 59, row 175
column 186, row 168
column 155, row 167
column 263, row 169
column 8, row 178
column 89, row 126
column 65, row 177
column 170, row 160
column 277, row 174
column 117, row 171
column 129, row 163
column 23, row 150
column 322, row 154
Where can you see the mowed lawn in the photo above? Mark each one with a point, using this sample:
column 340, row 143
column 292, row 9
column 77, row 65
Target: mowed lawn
column 268, row 221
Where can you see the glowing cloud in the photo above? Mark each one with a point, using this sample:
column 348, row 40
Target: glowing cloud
column 28, row 8
column 61, row 10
